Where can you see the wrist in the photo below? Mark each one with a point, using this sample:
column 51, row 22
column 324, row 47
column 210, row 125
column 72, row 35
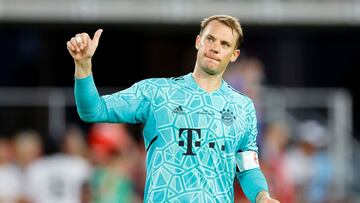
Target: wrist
column 83, row 68
column 263, row 195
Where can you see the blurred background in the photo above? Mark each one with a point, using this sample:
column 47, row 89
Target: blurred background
column 298, row 63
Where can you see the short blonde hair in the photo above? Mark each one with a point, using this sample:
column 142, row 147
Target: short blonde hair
column 227, row 20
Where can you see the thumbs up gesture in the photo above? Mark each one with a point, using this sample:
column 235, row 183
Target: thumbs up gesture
column 82, row 48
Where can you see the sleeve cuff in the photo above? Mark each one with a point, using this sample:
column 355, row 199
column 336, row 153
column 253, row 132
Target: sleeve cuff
column 85, row 79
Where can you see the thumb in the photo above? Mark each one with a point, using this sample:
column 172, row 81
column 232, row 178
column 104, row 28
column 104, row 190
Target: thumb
column 97, row 36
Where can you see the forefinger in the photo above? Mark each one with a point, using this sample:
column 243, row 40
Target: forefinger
column 84, row 40
column 75, row 44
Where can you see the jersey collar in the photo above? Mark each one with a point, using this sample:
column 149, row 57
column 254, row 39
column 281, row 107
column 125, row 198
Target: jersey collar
column 190, row 81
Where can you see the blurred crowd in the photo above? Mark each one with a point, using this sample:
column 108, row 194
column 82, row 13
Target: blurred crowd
column 103, row 166
column 106, row 165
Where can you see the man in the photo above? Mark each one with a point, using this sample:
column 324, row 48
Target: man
column 199, row 133
column 59, row 178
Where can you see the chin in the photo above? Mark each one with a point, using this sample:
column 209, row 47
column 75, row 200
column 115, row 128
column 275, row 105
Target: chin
column 211, row 71
column 210, row 68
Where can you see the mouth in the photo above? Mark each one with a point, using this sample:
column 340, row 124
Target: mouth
column 212, row 58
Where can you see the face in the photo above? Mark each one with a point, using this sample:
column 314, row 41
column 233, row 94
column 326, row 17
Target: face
column 216, row 48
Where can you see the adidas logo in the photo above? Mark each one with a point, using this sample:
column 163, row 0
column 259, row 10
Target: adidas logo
column 178, row 110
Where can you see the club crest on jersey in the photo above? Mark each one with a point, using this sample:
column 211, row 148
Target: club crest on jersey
column 227, row 117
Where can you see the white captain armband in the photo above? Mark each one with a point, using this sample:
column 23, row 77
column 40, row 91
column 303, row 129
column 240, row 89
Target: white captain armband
column 247, row 160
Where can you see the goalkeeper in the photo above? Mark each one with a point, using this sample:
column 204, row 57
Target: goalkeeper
column 199, row 132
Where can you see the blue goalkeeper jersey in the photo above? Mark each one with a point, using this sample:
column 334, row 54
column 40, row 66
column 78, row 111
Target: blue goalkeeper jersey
column 192, row 137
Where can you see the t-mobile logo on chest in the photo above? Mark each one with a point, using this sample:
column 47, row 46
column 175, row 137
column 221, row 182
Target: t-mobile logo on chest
column 193, row 134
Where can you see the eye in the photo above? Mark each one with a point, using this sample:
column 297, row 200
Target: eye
column 225, row 45
column 210, row 39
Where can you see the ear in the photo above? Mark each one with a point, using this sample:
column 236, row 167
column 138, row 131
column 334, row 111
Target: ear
column 197, row 42
column 235, row 55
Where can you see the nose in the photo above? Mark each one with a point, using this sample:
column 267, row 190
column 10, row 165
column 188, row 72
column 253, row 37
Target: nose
column 215, row 47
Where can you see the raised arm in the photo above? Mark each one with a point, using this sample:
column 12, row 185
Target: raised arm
column 82, row 48
column 127, row 106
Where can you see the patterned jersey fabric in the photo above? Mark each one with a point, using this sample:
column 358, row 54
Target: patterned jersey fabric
column 192, row 137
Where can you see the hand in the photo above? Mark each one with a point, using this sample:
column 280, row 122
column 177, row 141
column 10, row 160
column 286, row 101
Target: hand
column 264, row 197
column 82, row 47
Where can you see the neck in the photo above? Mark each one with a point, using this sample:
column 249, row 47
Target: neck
column 207, row 82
